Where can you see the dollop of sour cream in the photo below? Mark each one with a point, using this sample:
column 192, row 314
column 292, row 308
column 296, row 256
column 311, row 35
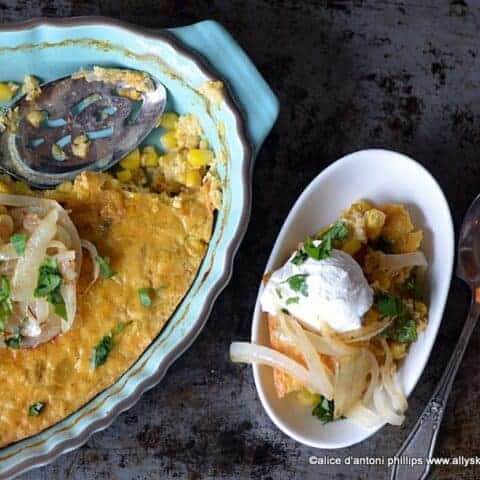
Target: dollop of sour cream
column 333, row 290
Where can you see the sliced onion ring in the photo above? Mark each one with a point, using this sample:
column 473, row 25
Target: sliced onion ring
column 92, row 250
column 244, row 352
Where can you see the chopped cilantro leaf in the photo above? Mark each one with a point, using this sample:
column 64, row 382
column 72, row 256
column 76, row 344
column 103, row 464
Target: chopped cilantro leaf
column 49, row 278
column 318, row 252
column 145, row 296
column 49, row 282
column 6, row 306
column 120, row 327
column 403, row 329
column 102, row 350
column 292, row 300
column 324, row 410
column 56, row 299
column 299, row 257
column 14, row 342
column 298, row 283
column 105, row 268
column 4, row 288
column 19, row 241
column 338, row 231
column 105, row 345
column 389, row 306
column 413, row 286
column 35, row 409
column 384, row 244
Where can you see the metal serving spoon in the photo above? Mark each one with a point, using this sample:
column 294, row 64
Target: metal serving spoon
column 68, row 111
column 421, row 441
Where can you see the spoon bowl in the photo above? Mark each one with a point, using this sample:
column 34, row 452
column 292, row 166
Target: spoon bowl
column 468, row 264
column 103, row 115
column 380, row 176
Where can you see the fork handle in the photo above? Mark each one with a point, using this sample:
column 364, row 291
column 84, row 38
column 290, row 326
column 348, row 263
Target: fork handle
column 421, row 441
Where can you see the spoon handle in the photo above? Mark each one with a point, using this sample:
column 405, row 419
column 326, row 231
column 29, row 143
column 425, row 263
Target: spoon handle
column 421, row 442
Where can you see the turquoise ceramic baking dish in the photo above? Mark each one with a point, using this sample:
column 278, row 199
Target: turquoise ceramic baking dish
column 183, row 59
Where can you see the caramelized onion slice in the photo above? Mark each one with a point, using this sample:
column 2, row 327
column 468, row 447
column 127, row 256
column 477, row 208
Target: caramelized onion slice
column 42, row 206
column 402, row 260
column 26, row 272
column 92, row 250
column 244, row 352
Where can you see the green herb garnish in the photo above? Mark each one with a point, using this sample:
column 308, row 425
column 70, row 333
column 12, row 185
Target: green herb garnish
column 324, row 410
column 6, row 306
column 49, row 282
column 298, row 283
column 14, row 342
column 102, row 350
column 299, row 257
column 56, row 299
column 49, row 278
column 105, row 269
column 403, row 329
column 338, row 231
column 292, row 300
column 383, row 244
column 145, row 296
column 19, row 241
column 413, row 286
column 120, row 327
column 105, row 345
column 36, row 409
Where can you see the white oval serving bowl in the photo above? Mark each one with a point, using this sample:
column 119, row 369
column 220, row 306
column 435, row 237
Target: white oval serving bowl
column 381, row 176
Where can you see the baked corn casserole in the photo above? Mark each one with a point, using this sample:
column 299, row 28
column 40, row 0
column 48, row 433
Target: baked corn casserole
column 91, row 271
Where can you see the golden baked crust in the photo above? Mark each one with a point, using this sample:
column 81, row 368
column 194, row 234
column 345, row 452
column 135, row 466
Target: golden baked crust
column 152, row 241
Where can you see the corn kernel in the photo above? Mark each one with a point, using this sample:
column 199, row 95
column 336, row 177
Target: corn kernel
column 65, row 187
column 149, row 157
column 4, row 188
column 168, row 121
column 193, row 178
column 80, row 146
column 6, row 92
column 352, row 246
column 361, row 206
column 421, row 308
column 130, row 93
column 124, row 175
column 22, row 188
column 131, row 161
column 169, row 140
column 306, row 398
column 35, row 118
column 167, row 158
column 374, row 222
column 398, row 350
column 198, row 158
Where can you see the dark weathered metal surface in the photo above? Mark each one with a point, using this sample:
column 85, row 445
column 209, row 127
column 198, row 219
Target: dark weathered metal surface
column 400, row 74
